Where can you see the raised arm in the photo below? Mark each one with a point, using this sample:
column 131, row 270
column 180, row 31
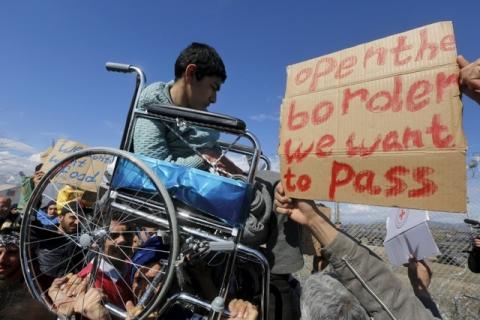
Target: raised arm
column 377, row 288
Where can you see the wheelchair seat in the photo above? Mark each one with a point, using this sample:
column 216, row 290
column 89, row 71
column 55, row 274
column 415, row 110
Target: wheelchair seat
column 222, row 197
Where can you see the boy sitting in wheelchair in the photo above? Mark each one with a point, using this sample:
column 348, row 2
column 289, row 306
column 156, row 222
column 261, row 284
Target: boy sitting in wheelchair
column 213, row 226
column 199, row 74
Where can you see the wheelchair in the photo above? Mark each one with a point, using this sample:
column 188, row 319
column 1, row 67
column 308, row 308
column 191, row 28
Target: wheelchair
column 122, row 200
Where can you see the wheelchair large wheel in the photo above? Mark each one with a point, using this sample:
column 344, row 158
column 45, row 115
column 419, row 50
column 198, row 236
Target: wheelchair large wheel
column 113, row 235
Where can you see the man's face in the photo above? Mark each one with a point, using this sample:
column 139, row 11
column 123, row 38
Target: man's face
column 9, row 262
column 119, row 241
column 69, row 222
column 4, row 206
column 203, row 92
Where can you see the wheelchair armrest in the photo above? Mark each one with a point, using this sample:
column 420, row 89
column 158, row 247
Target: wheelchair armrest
column 205, row 118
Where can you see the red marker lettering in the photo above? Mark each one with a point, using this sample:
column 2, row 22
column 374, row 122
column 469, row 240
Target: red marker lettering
column 399, row 185
column 361, row 150
column 339, row 169
column 296, row 121
column 448, row 43
column 303, row 76
column 424, row 45
column 325, row 141
column 303, row 183
column 298, row 155
column 401, row 47
column 436, row 131
column 417, row 91
column 415, row 136
column 381, row 53
column 428, row 186
column 330, row 63
column 367, row 177
column 288, row 180
column 317, row 118
column 391, row 143
column 345, row 67
column 348, row 96
column 392, row 100
column 442, row 82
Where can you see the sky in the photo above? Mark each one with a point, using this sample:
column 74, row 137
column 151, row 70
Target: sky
column 54, row 83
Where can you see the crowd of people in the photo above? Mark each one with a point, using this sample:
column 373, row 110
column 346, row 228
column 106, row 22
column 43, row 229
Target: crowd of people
column 350, row 283
column 79, row 280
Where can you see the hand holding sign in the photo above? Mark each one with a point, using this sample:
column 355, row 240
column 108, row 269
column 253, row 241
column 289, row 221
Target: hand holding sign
column 470, row 78
column 419, row 274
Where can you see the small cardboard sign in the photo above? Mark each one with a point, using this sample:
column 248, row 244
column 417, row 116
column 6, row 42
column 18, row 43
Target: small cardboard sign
column 378, row 124
column 84, row 173
column 44, row 155
column 403, row 220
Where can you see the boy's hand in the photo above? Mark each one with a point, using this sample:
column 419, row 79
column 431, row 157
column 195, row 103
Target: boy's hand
column 225, row 164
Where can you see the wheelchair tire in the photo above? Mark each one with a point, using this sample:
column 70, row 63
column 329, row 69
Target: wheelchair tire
column 93, row 237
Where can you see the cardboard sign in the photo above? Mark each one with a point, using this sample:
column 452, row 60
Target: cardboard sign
column 408, row 235
column 84, row 173
column 378, row 124
column 44, row 155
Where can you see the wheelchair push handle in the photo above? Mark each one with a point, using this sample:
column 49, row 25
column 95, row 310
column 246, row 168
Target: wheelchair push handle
column 472, row 222
column 118, row 67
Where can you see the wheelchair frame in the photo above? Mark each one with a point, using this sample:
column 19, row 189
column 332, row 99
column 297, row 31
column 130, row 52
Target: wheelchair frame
column 178, row 221
column 225, row 124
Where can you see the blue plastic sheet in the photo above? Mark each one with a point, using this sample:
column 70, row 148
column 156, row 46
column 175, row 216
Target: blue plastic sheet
column 225, row 198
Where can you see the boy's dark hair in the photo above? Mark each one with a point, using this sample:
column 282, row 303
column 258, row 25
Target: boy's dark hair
column 207, row 59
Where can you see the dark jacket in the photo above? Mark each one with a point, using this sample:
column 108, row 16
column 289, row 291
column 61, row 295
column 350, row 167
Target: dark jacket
column 16, row 303
column 57, row 254
column 474, row 260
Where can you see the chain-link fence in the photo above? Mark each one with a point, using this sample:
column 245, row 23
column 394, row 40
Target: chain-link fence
column 455, row 289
